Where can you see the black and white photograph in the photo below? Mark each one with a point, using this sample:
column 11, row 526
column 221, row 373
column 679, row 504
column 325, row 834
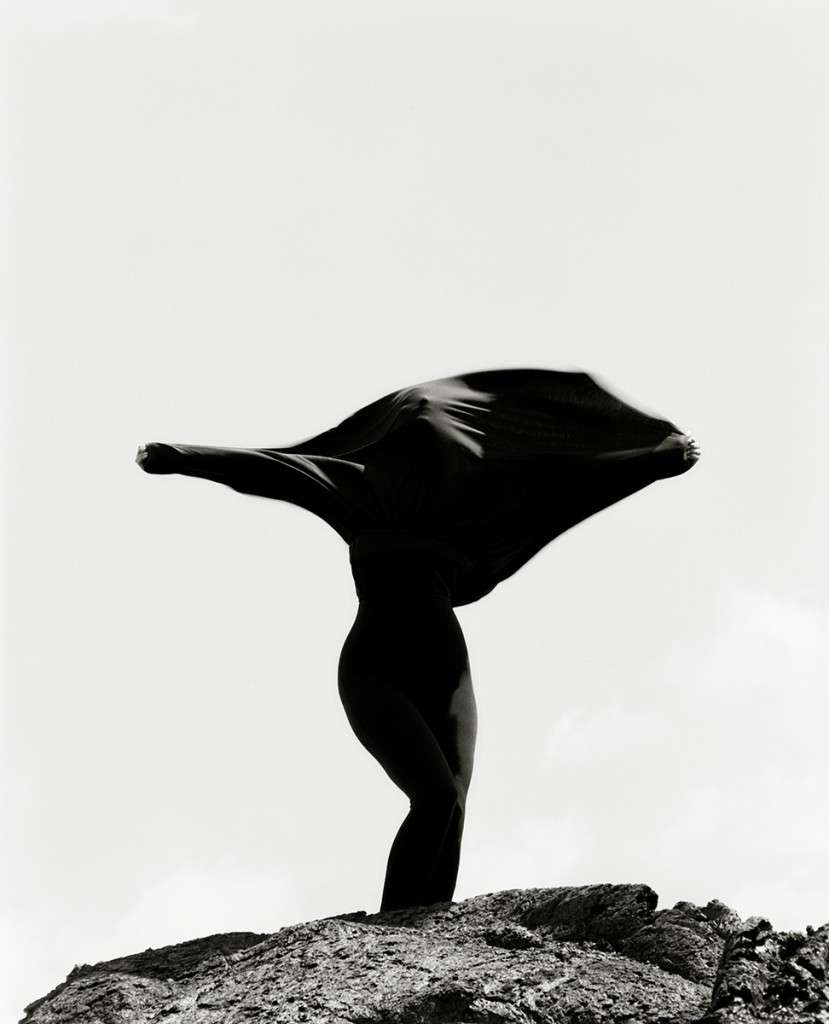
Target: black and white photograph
column 414, row 501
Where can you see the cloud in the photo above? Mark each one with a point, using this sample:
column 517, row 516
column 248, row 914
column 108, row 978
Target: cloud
column 712, row 779
column 587, row 735
column 760, row 677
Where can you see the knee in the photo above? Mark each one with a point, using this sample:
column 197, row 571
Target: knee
column 444, row 800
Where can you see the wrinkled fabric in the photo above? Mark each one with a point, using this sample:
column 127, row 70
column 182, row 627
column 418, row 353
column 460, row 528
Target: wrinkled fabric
column 484, row 468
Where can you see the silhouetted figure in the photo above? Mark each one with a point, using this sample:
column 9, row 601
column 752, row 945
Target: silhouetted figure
column 442, row 490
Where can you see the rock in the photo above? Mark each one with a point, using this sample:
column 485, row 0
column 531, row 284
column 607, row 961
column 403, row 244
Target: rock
column 588, row 954
column 686, row 940
column 512, row 936
column 772, row 976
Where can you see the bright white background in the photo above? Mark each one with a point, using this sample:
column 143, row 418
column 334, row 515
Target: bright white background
column 237, row 223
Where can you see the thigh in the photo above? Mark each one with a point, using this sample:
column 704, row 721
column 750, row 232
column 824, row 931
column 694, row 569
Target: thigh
column 407, row 690
column 397, row 735
column 461, row 725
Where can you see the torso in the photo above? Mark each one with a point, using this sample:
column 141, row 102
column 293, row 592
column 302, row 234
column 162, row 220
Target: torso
column 404, row 570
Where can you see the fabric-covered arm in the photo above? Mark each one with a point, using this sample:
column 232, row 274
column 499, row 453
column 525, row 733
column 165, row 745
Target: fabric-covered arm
column 249, row 471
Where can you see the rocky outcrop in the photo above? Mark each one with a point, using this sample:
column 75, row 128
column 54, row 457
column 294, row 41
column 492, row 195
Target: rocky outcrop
column 767, row 975
column 598, row 953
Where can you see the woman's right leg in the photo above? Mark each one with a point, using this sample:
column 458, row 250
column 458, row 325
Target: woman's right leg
column 462, row 723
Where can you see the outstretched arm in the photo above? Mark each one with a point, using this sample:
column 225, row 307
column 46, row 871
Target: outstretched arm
column 331, row 488
column 675, row 455
column 255, row 471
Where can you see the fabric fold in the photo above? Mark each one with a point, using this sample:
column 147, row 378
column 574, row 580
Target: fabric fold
column 490, row 465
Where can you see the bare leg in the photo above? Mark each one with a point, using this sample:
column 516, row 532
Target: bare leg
column 445, row 875
column 420, row 725
column 393, row 730
column 458, row 740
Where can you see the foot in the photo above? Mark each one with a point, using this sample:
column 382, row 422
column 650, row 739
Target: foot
column 155, row 457
column 679, row 452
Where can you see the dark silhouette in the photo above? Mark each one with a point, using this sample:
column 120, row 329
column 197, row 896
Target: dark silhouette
column 442, row 490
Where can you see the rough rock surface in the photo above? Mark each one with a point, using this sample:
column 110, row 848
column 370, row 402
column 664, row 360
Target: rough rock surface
column 598, row 953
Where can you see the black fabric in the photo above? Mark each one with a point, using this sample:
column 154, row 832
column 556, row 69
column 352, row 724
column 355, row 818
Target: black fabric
column 489, row 466
column 441, row 490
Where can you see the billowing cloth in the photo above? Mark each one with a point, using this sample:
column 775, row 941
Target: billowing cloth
column 483, row 469
column 441, row 490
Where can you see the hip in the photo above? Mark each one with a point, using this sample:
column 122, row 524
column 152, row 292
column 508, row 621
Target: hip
column 406, row 645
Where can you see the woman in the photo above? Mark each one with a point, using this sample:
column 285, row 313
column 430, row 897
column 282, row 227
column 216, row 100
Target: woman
column 441, row 491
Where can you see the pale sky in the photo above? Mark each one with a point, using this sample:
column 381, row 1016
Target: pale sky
column 235, row 224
